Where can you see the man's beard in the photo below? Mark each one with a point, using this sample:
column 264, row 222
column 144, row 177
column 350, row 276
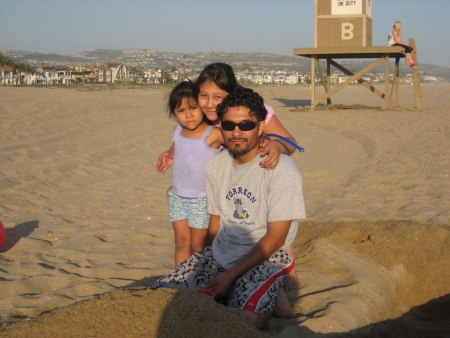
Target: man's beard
column 238, row 150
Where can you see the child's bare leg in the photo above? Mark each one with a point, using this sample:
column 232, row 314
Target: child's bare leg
column 198, row 239
column 409, row 60
column 412, row 64
column 182, row 240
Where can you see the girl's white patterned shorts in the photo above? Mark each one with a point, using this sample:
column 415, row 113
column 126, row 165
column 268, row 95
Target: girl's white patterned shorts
column 192, row 209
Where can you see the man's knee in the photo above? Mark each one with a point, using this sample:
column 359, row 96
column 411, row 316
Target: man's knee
column 283, row 308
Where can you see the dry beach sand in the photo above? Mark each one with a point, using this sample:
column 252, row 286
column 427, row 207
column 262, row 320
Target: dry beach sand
column 87, row 226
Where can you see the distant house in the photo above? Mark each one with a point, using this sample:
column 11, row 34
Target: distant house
column 65, row 76
column 112, row 72
column 292, row 79
column 174, row 76
column 268, row 78
column 42, row 77
column 51, row 76
column 337, row 79
column 104, row 75
column 118, row 71
column 134, row 76
column 280, row 77
column 152, row 76
column 83, row 76
column 430, row 78
column 258, row 79
column 6, row 75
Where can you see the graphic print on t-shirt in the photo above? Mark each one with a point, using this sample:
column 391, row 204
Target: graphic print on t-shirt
column 239, row 212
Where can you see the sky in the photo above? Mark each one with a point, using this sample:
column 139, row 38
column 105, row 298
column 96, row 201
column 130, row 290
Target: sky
column 69, row 27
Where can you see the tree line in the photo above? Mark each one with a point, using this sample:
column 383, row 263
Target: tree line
column 18, row 66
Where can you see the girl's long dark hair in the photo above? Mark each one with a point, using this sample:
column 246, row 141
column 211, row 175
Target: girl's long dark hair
column 219, row 73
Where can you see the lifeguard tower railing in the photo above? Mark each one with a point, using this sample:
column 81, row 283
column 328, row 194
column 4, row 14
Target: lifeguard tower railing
column 380, row 54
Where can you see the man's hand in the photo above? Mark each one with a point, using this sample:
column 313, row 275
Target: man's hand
column 165, row 161
column 220, row 284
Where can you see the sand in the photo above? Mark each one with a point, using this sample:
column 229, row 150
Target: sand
column 87, row 226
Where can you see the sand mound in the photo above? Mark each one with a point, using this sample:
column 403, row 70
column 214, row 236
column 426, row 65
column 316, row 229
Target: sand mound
column 139, row 312
column 360, row 277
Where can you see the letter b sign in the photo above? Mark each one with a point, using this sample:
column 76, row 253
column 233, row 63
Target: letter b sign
column 347, row 31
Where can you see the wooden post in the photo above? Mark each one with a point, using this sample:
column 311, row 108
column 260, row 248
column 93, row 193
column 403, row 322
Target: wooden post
column 416, row 76
column 386, row 82
column 313, row 82
column 328, row 81
column 397, row 79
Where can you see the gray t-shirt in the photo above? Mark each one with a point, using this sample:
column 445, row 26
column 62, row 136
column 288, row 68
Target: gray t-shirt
column 247, row 197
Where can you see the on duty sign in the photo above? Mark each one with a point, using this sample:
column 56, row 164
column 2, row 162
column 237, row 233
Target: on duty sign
column 349, row 7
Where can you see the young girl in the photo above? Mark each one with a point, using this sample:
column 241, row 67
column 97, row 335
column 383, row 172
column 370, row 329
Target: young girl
column 196, row 141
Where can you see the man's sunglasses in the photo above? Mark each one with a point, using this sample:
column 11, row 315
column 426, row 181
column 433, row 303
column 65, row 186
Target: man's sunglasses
column 244, row 125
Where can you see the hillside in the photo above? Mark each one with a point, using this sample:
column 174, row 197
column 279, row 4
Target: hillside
column 153, row 59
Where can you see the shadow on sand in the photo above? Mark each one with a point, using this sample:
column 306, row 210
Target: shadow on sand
column 427, row 320
column 140, row 311
column 13, row 235
column 293, row 103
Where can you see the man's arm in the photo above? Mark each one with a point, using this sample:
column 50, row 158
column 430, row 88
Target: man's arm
column 214, row 225
column 266, row 246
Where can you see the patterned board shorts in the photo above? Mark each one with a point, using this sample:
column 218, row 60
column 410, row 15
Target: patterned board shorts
column 254, row 291
column 192, row 209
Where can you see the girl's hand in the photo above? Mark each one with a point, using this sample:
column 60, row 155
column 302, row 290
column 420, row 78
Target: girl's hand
column 165, row 161
column 272, row 150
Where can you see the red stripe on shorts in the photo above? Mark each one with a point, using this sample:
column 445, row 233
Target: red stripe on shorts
column 253, row 300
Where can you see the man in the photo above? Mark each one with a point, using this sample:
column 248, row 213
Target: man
column 251, row 213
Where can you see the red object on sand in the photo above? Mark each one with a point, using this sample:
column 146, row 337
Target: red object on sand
column 2, row 234
column 209, row 292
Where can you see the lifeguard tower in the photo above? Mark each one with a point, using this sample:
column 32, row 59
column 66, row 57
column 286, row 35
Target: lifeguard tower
column 343, row 30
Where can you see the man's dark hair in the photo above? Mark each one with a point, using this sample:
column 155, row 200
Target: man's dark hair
column 245, row 97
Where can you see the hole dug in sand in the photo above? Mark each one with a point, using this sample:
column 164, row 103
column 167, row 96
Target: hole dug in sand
column 362, row 278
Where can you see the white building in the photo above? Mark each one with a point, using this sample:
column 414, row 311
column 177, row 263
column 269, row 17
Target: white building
column 42, row 77
column 6, row 75
column 152, row 76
